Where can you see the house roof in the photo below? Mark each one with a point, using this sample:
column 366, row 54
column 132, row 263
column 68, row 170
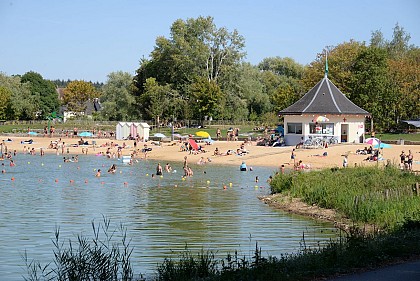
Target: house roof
column 324, row 98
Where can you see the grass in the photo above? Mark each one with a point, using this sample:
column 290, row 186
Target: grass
column 383, row 197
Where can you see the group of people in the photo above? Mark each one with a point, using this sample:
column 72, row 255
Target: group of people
column 406, row 161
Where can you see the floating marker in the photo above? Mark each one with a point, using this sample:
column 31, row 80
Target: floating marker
column 56, row 180
column 13, row 178
column 29, row 162
column 230, row 184
column 59, row 166
column 147, row 175
column 86, row 181
column 208, row 182
column 42, row 164
column 161, row 177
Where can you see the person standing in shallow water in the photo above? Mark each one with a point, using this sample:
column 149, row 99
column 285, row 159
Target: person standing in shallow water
column 159, row 170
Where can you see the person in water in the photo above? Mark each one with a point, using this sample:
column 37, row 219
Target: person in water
column 98, row 173
column 243, row 167
column 112, row 169
column 159, row 170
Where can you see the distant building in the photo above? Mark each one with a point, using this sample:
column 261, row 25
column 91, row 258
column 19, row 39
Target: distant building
column 324, row 112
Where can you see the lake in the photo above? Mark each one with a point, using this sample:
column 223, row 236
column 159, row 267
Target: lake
column 216, row 209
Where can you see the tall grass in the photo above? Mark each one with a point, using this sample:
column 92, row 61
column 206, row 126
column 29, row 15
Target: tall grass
column 96, row 258
column 383, row 197
column 338, row 257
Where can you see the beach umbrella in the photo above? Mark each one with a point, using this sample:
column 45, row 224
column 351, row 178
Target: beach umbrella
column 373, row 141
column 202, row 134
column 159, row 135
column 33, row 133
column 383, row 145
column 85, row 134
column 208, row 140
column 321, row 119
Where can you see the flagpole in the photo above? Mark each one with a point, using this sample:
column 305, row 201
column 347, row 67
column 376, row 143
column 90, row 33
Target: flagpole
column 326, row 62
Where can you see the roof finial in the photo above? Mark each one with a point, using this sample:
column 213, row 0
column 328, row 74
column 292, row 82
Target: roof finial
column 326, row 62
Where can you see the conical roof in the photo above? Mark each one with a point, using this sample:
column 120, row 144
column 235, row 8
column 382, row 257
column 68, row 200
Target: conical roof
column 324, row 98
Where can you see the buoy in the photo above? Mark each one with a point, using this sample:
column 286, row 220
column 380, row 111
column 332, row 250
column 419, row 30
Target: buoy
column 86, row 181
column 29, row 162
column 208, row 182
column 183, row 178
column 176, row 185
column 13, row 178
column 161, row 177
column 102, row 182
column 224, row 187
column 56, row 180
column 42, row 164
column 59, row 166
column 120, row 172
column 230, row 184
column 147, row 175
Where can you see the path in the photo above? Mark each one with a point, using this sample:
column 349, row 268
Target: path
column 407, row 271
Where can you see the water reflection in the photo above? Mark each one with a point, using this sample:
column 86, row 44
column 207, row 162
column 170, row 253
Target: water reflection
column 217, row 209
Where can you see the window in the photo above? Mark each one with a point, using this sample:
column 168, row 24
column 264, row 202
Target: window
column 321, row 128
column 294, row 128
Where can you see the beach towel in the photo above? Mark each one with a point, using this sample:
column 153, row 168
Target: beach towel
column 193, row 144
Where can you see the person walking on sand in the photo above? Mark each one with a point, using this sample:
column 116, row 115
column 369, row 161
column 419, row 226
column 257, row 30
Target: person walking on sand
column 293, row 156
column 345, row 162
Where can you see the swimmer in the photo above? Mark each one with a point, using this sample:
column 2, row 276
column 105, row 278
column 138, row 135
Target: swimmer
column 98, row 173
column 112, row 169
column 168, row 168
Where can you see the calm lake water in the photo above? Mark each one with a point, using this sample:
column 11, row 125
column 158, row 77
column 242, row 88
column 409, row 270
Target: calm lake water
column 162, row 215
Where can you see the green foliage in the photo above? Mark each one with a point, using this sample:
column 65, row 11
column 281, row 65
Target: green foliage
column 77, row 94
column 196, row 50
column 98, row 258
column 5, row 98
column 117, row 99
column 22, row 103
column 383, row 197
column 43, row 92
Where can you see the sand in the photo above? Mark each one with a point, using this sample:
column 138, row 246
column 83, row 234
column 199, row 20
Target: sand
column 272, row 157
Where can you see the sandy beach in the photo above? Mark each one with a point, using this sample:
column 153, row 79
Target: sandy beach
column 273, row 157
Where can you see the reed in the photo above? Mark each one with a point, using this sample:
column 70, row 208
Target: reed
column 381, row 196
column 96, row 258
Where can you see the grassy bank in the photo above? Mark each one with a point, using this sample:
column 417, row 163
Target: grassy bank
column 382, row 197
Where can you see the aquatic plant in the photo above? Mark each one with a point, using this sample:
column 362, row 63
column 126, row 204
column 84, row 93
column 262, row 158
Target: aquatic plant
column 96, row 258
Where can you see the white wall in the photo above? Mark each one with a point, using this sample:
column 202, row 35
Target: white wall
column 354, row 124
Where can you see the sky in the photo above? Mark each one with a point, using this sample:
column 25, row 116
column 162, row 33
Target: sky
column 89, row 39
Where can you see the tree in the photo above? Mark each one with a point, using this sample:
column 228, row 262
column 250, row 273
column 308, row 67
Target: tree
column 341, row 60
column 196, row 49
column 371, row 87
column 77, row 94
column 44, row 93
column 155, row 100
column 282, row 80
column 5, row 105
column 22, row 103
column 206, row 98
column 117, row 99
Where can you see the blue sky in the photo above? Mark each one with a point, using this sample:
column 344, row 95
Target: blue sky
column 88, row 39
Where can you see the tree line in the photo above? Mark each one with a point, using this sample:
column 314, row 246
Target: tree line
column 200, row 72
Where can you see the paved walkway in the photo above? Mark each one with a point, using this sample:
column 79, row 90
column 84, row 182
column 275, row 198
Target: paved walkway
column 409, row 271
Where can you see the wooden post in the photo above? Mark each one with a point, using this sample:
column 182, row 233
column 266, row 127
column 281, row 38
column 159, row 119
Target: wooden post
column 417, row 188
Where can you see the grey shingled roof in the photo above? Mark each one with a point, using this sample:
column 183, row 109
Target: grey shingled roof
column 324, row 98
